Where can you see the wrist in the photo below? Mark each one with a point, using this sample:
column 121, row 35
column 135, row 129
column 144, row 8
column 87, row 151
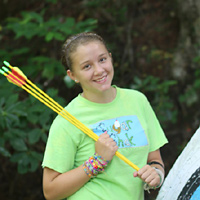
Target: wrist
column 156, row 163
column 94, row 165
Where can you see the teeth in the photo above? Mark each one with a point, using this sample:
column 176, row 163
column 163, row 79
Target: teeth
column 101, row 79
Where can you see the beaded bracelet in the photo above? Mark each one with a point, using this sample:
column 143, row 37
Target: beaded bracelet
column 94, row 165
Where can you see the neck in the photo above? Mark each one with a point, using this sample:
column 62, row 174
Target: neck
column 101, row 97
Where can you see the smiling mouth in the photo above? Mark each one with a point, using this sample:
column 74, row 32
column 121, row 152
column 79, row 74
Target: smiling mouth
column 101, row 79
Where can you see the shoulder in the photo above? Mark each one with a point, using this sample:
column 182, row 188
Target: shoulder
column 61, row 120
column 131, row 93
column 74, row 104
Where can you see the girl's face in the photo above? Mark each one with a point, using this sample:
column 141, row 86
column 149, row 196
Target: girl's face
column 92, row 68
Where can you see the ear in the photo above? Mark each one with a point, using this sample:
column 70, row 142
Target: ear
column 110, row 54
column 71, row 75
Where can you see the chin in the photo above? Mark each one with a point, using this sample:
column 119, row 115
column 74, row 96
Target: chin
column 105, row 87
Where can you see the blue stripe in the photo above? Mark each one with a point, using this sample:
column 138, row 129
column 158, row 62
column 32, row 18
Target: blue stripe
column 196, row 194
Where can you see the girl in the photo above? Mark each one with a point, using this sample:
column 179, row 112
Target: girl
column 76, row 167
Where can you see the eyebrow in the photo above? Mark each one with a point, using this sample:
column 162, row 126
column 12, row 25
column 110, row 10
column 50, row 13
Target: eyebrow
column 88, row 60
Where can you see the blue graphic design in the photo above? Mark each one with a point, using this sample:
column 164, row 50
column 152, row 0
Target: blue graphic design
column 126, row 131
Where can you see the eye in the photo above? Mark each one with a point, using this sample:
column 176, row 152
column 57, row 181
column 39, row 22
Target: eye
column 86, row 67
column 103, row 59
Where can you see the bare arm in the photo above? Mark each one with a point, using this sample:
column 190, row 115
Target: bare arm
column 58, row 186
column 147, row 173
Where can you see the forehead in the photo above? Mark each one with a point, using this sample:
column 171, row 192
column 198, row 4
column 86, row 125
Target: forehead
column 91, row 45
column 94, row 48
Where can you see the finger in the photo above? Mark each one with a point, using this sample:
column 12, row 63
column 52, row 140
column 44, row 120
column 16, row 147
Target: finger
column 104, row 135
column 154, row 182
column 114, row 144
column 116, row 148
column 109, row 140
column 142, row 171
column 145, row 169
column 135, row 174
column 149, row 179
column 146, row 172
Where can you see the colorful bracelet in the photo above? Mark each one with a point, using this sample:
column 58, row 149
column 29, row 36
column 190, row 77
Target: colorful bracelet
column 87, row 171
column 94, row 165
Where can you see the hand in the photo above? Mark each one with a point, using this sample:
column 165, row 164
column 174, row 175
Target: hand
column 106, row 147
column 149, row 175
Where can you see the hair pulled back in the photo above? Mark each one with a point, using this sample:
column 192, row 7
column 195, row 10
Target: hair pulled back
column 73, row 42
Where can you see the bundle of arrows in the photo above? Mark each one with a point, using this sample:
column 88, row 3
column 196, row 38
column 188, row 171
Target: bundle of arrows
column 17, row 77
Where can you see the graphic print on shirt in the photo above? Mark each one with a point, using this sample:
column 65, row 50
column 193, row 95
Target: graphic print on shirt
column 126, row 131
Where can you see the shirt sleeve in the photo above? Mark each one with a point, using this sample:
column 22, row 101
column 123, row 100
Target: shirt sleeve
column 155, row 132
column 60, row 148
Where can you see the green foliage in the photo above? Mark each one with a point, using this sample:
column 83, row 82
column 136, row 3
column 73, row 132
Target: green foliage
column 32, row 24
column 48, row 66
column 23, row 126
column 191, row 94
column 52, row 1
column 161, row 101
column 143, row 38
column 158, row 54
column 24, row 121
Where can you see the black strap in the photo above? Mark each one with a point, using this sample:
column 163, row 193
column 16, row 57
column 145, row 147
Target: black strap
column 157, row 163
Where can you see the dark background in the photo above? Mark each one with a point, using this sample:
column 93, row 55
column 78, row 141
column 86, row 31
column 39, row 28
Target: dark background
column 155, row 49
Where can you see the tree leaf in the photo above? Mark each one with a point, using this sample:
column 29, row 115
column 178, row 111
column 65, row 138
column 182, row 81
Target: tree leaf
column 49, row 36
column 34, row 136
column 22, row 169
column 4, row 152
column 18, row 144
column 34, row 163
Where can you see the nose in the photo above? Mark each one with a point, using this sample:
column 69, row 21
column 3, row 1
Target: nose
column 98, row 69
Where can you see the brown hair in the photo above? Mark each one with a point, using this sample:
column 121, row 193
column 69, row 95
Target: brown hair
column 73, row 42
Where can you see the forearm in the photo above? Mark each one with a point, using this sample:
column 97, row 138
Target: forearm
column 155, row 156
column 58, row 186
column 155, row 161
column 64, row 185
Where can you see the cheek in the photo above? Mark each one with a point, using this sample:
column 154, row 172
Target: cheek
column 111, row 68
column 108, row 66
column 86, row 76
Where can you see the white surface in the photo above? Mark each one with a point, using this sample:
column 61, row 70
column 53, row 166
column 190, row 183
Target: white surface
column 186, row 164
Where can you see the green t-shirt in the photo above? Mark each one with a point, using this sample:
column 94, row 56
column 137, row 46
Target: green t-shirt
column 129, row 120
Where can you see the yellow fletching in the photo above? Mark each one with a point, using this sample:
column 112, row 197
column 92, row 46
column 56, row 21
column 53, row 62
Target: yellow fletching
column 19, row 72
